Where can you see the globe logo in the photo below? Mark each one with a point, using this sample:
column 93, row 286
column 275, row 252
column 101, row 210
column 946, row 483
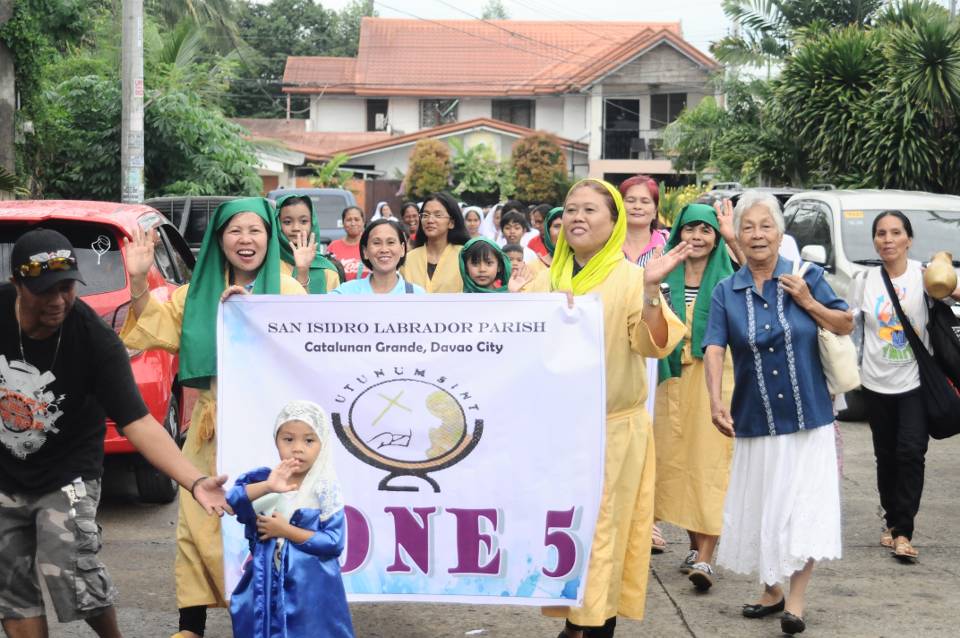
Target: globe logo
column 408, row 427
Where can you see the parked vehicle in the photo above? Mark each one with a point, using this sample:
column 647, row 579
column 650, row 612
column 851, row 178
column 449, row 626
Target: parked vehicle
column 97, row 230
column 189, row 214
column 833, row 228
column 328, row 203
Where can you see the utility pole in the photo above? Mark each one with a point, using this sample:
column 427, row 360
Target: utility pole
column 131, row 123
column 8, row 98
column 953, row 8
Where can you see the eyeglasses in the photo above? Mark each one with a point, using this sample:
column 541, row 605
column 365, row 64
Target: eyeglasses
column 434, row 216
column 37, row 268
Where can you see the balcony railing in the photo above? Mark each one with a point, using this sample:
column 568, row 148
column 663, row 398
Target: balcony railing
column 632, row 144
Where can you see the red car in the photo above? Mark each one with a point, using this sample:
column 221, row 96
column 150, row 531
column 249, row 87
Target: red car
column 97, row 231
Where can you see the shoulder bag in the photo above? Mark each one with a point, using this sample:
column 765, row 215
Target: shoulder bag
column 838, row 353
column 939, row 395
column 944, row 330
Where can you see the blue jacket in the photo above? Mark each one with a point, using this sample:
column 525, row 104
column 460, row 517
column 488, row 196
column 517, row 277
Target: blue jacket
column 779, row 383
column 305, row 597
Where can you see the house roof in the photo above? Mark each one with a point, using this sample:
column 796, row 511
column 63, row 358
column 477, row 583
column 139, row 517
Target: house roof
column 316, row 145
column 482, row 57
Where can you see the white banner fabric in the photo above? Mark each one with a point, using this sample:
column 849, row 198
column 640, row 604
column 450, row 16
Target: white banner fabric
column 469, row 434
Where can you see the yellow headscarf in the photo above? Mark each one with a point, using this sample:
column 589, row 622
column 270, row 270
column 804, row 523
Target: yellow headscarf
column 601, row 264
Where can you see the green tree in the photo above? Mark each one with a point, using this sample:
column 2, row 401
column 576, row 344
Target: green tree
column 329, row 174
column 494, row 10
column 540, row 167
column 272, row 31
column 689, row 138
column 429, row 169
column 476, row 172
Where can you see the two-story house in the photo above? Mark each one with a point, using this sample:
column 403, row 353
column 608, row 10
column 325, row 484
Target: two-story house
column 605, row 89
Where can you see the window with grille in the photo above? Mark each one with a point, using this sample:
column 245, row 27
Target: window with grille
column 437, row 112
column 519, row 112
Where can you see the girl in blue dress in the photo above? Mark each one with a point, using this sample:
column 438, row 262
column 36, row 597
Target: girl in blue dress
column 293, row 518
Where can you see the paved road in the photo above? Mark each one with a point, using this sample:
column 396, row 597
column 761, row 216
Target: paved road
column 868, row 593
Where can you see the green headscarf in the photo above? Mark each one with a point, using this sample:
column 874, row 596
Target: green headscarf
column 600, row 265
column 318, row 278
column 718, row 267
column 468, row 284
column 198, row 333
column 552, row 215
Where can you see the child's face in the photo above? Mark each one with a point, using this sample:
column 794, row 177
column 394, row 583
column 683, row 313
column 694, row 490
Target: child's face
column 516, row 258
column 297, row 440
column 295, row 221
column 512, row 232
column 483, row 273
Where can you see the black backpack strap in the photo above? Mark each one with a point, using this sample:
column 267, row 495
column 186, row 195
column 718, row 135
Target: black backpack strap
column 904, row 320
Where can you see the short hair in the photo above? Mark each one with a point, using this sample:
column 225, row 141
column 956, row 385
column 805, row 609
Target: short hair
column 543, row 209
column 476, row 212
column 512, row 204
column 752, row 198
column 406, row 205
column 458, row 235
column 652, row 187
column 907, row 226
column 514, row 216
column 401, row 237
column 512, row 248
column 343, row 215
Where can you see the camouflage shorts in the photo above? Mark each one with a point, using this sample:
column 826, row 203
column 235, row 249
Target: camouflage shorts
column 57, row 534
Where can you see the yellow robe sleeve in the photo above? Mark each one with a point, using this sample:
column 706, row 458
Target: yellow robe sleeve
column 641, row 341
column 286, row 270
column 158, row 326
column 333, row 279
column 540, row 283
column 290, row 286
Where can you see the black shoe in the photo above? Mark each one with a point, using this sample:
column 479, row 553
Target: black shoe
column 760, row 611
column 790, row 624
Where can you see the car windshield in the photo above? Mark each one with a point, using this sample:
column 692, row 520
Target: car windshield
column 329, row 208
column 96, row 246
column 933, row 230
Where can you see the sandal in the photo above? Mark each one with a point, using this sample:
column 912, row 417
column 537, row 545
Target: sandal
column 657, row 543
column 903, row 550
column 886, row 538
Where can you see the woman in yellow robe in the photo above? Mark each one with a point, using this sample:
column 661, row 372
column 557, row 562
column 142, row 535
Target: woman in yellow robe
column 239, row 254
column 434, row 262
column 637, row 324
column 693, row 458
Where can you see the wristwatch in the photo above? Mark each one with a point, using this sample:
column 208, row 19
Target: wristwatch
column 652, row 301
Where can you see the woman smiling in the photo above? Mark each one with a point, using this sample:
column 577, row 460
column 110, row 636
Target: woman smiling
column 434, row 262
column 383, row 248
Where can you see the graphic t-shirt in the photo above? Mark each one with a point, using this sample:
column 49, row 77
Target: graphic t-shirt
column 889, row 365
column 348, row 255
column 52, row 405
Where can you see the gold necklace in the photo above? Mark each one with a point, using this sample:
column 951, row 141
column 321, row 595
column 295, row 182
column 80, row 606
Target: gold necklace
column 23, row 356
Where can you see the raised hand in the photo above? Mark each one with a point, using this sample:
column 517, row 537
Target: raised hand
column 304, row 250
column 725, row 219
column 659, row 267
column 139, row 252
column 281, row 477
column 520, row 277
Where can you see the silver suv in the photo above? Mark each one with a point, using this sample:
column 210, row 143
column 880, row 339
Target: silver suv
column 833, row 228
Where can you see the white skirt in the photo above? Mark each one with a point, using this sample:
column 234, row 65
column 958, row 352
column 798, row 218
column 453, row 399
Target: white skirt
column 783, row 504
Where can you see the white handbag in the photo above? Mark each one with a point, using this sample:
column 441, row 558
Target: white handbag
column 838, row 354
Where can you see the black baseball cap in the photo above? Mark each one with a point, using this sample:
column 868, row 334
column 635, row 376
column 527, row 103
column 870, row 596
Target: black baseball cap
column 42, row 258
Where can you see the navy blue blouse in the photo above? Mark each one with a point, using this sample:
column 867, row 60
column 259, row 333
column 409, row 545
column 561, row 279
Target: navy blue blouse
column 779, row 383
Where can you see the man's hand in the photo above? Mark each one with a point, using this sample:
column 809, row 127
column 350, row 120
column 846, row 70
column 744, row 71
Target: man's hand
column 209, row 494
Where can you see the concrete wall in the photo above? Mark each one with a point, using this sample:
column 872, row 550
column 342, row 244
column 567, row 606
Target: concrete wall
column 576, row 117
column 338, row 114
column 404, row 114
column 472, row 108
column 661, row 65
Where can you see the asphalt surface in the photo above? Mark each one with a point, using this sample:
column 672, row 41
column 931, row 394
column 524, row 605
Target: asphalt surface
column 868, row 593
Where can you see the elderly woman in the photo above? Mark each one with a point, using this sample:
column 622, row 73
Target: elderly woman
column 782, row 510
column 588, row 258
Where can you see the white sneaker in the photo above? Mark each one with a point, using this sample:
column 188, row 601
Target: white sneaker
column 701, row 575
column 689, row 561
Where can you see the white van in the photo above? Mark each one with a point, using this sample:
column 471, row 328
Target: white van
column 833, row 228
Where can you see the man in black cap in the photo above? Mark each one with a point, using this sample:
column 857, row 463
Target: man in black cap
column 61, row 369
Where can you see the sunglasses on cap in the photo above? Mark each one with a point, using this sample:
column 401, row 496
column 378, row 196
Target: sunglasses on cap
column 36, row 268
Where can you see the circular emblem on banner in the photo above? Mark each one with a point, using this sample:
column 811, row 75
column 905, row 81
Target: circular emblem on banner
column 408, row 427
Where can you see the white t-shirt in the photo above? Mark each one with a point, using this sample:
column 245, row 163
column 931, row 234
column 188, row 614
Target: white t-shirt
column 889, row 365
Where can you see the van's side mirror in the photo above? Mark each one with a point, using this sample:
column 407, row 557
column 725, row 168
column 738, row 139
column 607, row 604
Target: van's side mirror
column 814, row 253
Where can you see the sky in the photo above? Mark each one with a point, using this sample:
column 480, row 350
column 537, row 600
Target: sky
column 702, row 20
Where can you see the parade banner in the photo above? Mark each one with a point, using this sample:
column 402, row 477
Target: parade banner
column 468, row 434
